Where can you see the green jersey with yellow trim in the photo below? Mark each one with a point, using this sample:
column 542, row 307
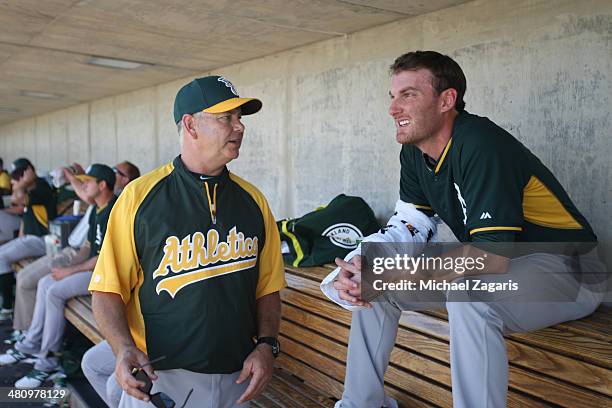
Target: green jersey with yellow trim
column 487, row 182
column 98, row 220
column 40, row 209
column 5, row 180
column 190, row 255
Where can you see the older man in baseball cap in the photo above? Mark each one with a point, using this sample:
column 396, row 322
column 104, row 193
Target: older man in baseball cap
column 191, row 268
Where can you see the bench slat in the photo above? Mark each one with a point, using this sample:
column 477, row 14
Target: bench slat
column 82, row 319
column 301, row 387
column 264, row 402
column 310, row 376
column 597, row 326
column 297, row 398
column 554, row 391
column 85, row 300
column 569, row 344
column 279, row 398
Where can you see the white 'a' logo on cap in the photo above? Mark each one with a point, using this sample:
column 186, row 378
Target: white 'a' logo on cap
column 228, row 84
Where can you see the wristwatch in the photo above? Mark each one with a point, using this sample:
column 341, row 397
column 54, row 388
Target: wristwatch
column 272, row 341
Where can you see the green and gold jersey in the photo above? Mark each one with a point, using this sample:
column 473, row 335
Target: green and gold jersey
column 190, row 255
column 485, row 183
column 5, row 180
column 39, row 210
column 98, row 220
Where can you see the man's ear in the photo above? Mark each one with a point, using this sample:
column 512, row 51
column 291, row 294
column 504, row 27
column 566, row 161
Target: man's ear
column 449, row 98
column 189, row 124
column 105, row 184
column 30, row 174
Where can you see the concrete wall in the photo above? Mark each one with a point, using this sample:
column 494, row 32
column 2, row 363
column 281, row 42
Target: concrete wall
column 541, row 69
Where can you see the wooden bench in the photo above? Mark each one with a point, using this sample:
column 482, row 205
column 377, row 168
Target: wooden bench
column 568, row 365
column 22, row 263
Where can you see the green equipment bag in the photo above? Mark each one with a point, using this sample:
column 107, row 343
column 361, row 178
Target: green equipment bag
column 328, row 232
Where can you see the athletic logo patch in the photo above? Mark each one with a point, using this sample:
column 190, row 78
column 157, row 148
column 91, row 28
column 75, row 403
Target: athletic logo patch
column 485, row 216
column 343, row 235
column 197, row 257
column 228, row 84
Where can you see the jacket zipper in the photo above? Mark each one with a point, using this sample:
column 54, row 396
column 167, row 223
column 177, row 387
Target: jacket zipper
column 212, row 204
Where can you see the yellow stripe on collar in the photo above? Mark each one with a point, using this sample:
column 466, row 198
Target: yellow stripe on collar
column 443, row 155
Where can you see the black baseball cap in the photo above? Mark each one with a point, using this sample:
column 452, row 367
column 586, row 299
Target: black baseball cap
column 19, row 166
column 211, row 94
column 21, row 163
column 99, row 172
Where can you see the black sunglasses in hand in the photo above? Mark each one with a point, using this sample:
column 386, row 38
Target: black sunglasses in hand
column 159, row 399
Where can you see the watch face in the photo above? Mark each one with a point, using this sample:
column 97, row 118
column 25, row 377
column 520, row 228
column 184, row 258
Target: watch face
column 273, row 342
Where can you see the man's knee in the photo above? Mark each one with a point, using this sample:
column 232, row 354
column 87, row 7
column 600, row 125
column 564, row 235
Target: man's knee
column 88, row 363
column 55, row 293
column 44, row 283
column 24, row 284
column 27, row 281
column 5, row 262
column 469, row 311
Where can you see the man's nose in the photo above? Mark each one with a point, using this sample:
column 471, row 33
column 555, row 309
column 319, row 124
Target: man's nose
column 394, row 108
column 238, row 125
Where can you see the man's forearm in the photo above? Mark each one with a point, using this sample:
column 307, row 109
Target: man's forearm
column 268, row 315
column 83, row 254
column 87, row 265
column 109, row 312
column 77, row 185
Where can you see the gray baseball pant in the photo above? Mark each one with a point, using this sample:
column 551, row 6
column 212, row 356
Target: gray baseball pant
column 27, row 282
column 9, row 223
column 479, row 362
column 19, row 248
column 98, row 365
column 47, row 328
column 209, row 390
